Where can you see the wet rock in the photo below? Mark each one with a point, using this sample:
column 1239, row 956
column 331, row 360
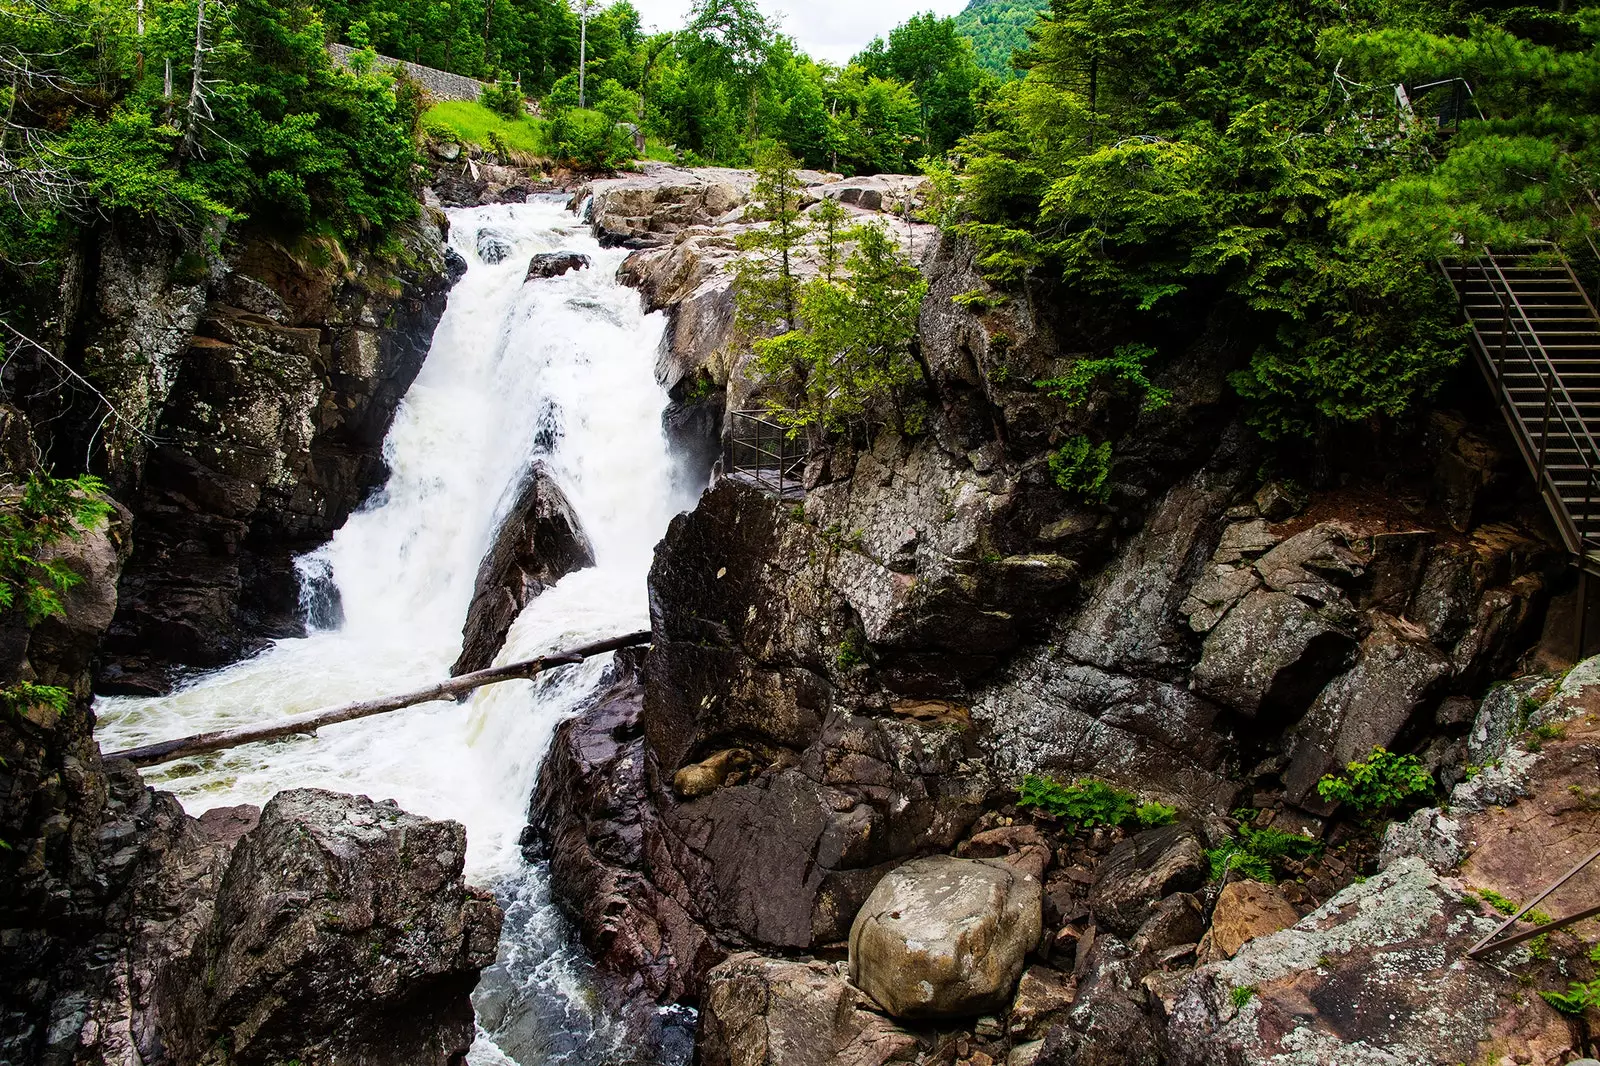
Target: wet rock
column 594, row 822
column 1313, row 988
column 1396, row 670
column 555, row 264
column 1271, row 654
column 271, row 421
column 777, row 1012
column 944, row 937
column 1244, row 910
column 1143, row 870
column 342, row 931
column 539, row 542
column 492, row 245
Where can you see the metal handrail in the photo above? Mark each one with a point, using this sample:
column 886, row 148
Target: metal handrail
column 751, row 434
column 1540, row 363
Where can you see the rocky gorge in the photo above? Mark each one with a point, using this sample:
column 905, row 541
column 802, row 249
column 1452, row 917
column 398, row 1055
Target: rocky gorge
column 798, row 811
column 839, row 690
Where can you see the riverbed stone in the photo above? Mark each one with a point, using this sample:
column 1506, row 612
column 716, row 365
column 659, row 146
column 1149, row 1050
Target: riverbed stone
column 943, row 937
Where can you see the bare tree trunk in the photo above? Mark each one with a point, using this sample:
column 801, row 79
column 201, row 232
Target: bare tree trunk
column 197, row 100
column 311, row 721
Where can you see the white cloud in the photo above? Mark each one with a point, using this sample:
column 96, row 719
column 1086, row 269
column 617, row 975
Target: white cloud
column 827, row 29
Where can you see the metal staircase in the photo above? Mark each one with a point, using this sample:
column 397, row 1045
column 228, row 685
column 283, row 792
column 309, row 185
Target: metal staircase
column 1537, row 339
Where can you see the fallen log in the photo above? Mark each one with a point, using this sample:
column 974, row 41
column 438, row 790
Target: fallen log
column 311, row 721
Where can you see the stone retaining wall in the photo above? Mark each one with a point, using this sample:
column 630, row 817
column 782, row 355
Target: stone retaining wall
column 440, row 84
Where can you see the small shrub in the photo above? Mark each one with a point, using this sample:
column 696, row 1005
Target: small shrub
column 1242, row 995
column 852, row 649
column 1258, row 854
column 1579, row 998
column 1151, row 815
column 503, row 98
column 1378, row 782
column 1122, row 371
column 1085, row 803
column 1083, row 469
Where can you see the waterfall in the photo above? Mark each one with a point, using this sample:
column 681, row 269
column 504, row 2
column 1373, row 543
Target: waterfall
column 562, row 369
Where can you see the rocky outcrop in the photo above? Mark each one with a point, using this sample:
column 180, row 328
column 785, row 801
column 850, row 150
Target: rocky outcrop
column 776, row 1012
column 342, row 931
column 644, row 934
column 539, row 541
column 1380, row 942
column 270, row 402
column 945, row 938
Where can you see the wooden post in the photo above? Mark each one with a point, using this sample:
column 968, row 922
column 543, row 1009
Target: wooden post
column 311, row 721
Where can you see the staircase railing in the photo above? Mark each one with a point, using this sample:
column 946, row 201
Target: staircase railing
column 1560, row 423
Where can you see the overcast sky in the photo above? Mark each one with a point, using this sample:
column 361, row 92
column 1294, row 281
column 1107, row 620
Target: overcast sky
column 827, row 29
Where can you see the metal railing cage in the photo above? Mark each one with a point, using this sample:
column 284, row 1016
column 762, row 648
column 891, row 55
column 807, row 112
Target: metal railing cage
column 759, row 451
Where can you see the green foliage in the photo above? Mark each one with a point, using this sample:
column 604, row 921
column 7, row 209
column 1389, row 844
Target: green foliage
column 41, row 513
column 503, row 97
column 841, row 353
column 1085, row 803
column 1579, row 998
column 1171, row 161
column 23, row 696
column 1150, row 815
column 997, row 29
column 930, row 55
column 1378, row 782
column 1123, row 372
column 1083, row 468
column 1258, row 854
column 852, row 649
column 589, row 140
column 1241, row 995
column 469, row 123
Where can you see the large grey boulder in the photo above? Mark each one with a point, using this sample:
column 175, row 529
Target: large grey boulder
column 943, row 937
column 343, row 932
column 778, row 1012
column 539, row 542
column 1142, row 871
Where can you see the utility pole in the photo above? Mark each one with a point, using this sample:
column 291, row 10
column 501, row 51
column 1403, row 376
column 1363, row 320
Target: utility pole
column 583, row 46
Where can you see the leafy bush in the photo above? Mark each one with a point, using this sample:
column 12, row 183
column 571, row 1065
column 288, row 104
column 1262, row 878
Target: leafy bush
column 1151, row 815
column 1083, row 468
column 1378, row 782
column 589, row 140
column 46, row 510
column 1123, row 371
column 1579, row 998
column 1085, row 803
column 503, row 98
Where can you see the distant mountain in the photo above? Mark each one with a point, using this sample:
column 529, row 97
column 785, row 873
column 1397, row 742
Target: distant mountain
column 997, row 28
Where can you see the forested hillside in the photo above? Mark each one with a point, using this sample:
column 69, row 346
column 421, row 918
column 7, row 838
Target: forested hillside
column 997, row 28
column 1249, row 162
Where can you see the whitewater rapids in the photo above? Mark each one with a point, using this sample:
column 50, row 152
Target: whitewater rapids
column 560, row 369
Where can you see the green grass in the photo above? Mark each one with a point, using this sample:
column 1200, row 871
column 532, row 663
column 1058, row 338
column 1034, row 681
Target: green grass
column 475, row 124
column 655, row 148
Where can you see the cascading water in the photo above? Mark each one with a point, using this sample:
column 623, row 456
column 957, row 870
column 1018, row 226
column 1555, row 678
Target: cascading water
column 560, row 368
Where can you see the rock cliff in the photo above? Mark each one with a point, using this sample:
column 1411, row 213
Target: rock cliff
column 844, row 684
column 251, row 391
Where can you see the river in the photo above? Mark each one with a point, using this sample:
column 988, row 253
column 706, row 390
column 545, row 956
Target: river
column 560, row 369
